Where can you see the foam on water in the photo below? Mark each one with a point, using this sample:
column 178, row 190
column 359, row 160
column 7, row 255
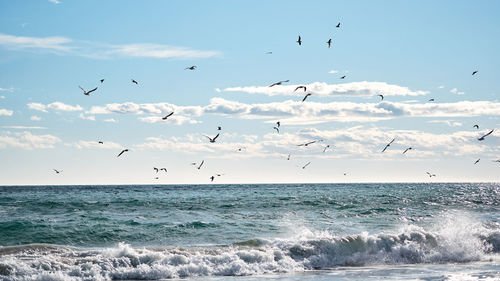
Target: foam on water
column 454, row 238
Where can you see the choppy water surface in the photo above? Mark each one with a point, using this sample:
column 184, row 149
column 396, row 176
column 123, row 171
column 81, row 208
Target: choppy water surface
column 284, row 232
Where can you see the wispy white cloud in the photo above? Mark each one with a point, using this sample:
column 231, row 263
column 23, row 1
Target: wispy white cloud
column 322, row 89
column 2, row 97
column 6, row 112
column 175, row 120
column 111, row 120
column 450, row 123
column 35, row 118
column 441, row 87
column 87, row 117
column 27, row 140
column 67, row 46
column 456, row 91
column 333, row 71
column 24, row 127
column 95, row 144
column 55, row 1
column 10, row 90
column 58, row 106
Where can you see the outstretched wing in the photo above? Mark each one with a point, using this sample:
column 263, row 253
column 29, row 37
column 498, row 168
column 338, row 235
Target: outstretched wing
column 92, row 90
column 216, row 137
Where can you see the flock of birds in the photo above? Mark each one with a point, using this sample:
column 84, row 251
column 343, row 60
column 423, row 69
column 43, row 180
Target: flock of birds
column 278, row 123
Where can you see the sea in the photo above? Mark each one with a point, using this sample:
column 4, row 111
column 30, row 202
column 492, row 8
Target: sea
column 382, row 231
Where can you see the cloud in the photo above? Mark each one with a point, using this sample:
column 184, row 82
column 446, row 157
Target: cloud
column 111, row 120
column 323, row 89
column 6, row 112
column 441, row 87
column 89, row 117
column 333, row 71
column 67, row 46
column 450, row 123
column 35, row 118
column 55, row 1
column 10, row 90
column 58, row 106
column 455, row 91
column 27, row 140
column 24, row 127
column 175, row 120
column 2, row 97
column 95, row 144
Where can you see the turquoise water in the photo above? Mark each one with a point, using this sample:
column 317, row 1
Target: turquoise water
column 251, row 232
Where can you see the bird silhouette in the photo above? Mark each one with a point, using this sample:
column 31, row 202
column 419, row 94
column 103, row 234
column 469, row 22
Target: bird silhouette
column 219, row 128
column 168, row 115
column 329, row 42
column 474, row 72
column 212, row 178
column 482, row 138
column 201, row 164
column 212, row 139
column 475, row 126
column 278, row 124
column 308, row 143
column 57, row 171
column 288, row 157
column 304, row 99
column 123, row 151
column 431, row 100
column 193, row 67
column 135, row 82
column 381, row 96
column 430, row 175
column 409, row 148
column 343, row 77
column 324, row 149
column 300, row 87
column 387, row 145
column 102, row 80
column 100, row 142
column 156, row 169
column 338, row 25
column 477, row 161
column 278, row 83
column 268, row 53
column 277, row 130
column 303, row 167
column 299, row 41
column 87, row 92
column 163, row 169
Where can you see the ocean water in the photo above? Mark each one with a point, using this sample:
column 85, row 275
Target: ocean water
column 431, row 231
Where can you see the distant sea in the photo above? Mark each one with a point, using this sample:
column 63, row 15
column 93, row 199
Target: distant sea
column 403, row 231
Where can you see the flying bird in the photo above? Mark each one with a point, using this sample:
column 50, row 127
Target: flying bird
column 201, row 164
column 482, row 138
column 168, row 115
column 387, row 145
column 219, row 128
column 382, row 96
column 303, row 167
column 288, row 157
column 474, row 72
column 102, row 80
column 477, row 161
column 87, row 92
column 306, row 97
column 475, row 126
column 324, row 149
column 277, row 130
column 308, row 143
column 241, row 148
column 212, row 139
column 409, row 148
column 430, row 175
column 193, row 67
column 163, row 169
column 156, row 169
column 135, row 82
column 299, row 41
column 343, row 77
column 156, row 178
column 193, row 163
column 431, row 100
column 57, row 171
column 329, row 42
column 300, row 87
column 100, row 142
column 212, row 178
column 278, row 83
column 496, row 160
column 123, row 151
column 269, row 53
column 338, row 25
column 278, row 123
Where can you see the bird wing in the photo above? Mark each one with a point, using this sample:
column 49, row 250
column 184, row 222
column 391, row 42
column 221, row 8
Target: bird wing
column 489, row 133
column 201, row 164
column 123, row 151
column 391, row 141
column 272, row 85
column 385, row 148
column 306, row 97
column 207, row 137
column 82, row 88
column 216, row 136
column 381, row 96
column 92, row 90
column 475, row 126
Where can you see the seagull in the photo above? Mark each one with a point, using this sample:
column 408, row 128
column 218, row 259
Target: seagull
column 219, row 128
column 477, row 161
column 241, row 148
column 57, row 171
column 201, row 164
column 431, row 100
column 278, row 83
column 475, row 126
column 343, row 77
column 338, row 25
column 87, row 92
column 168, row 115
column 299, row 41
column 300, row 87
column 100, row 142
column 156, row 169
column 496, row 160
column 482, row 138
column 474, row 72
column 102, row 80
column 276, row 128
column 193, row 67
column 135, row 82
column 193, row 163
column 308, row 143
column 288, row 157
column 163, row 169
column 324, row 149
column 329, row 42
column 387, row 145
column 382, row 96
column 219, row 175
column 278, row 123
column 430, row 175
column 212, row 139
column 156, row 178
column 345, row 174
column 123, row 151
column 306, row 97
column 303, row 167
column 269, row 53
column 409, row 148
column 212, row 178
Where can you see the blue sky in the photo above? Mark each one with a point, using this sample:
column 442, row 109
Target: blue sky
column 407, row 51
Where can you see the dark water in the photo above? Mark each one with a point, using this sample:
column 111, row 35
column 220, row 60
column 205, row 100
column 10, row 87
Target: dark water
column 158, row 232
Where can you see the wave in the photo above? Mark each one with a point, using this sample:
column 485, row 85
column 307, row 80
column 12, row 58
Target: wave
column 310, row 251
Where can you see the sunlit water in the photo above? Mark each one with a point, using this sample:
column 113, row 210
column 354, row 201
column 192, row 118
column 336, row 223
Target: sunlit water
column 251, row 232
